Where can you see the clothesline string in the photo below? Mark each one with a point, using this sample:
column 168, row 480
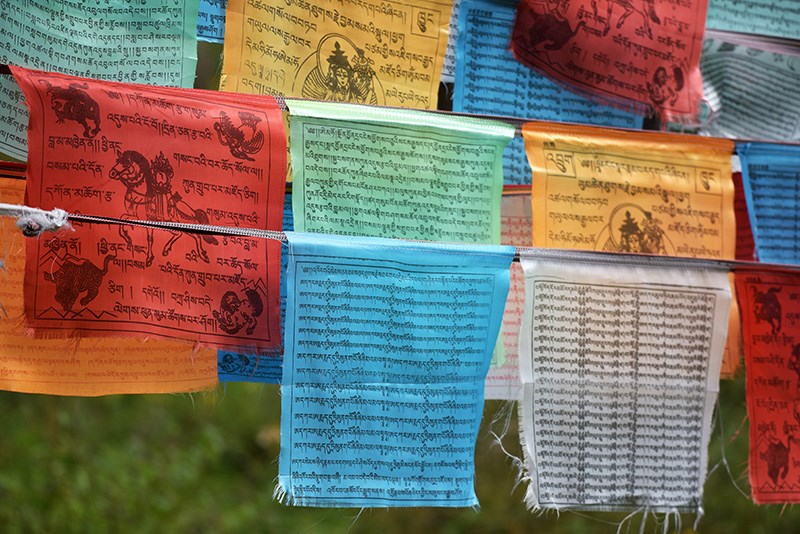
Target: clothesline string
column 599, row 257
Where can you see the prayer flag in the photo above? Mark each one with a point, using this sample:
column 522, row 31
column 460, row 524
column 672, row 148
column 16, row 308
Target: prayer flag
column 88, row 367
column 396, row 173
column 211, row 20
column 502, row 381
column 777, row 18
column 639, row 55
column 771, row 177
column 136, row 152
column 752, row 91
column 620, row 370
column 388, row 344
column 770, row 313
column 386, row 53
column 148, row 41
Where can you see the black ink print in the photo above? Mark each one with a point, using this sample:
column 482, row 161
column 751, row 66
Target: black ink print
column 149, row 196
column 552, row 28
column 767, row 308
column 75, row 104
column 241, row 140
column 75, row 276
column 794, row 365
column 665, row 88
column 645, row 8
column 343, row 73
column 234, row 363
column 235, row 313
column 644, row 238
column 777, row 458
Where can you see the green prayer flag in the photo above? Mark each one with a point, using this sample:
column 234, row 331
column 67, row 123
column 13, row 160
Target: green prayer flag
column 396, row 173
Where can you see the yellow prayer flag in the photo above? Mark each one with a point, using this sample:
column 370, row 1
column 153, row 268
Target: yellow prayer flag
column 387, row 53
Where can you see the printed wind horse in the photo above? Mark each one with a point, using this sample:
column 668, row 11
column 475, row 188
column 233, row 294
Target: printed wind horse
column 149, row 195
column 138, row 153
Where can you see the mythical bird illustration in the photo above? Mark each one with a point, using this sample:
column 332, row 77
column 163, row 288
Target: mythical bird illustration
column 243, row 140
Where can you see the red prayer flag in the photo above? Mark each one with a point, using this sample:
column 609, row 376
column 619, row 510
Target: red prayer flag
column 745, row 246
column 770, row 307
column 641, row 55
column 160, row 154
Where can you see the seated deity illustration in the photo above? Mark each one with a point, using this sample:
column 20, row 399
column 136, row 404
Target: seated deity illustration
column 339, row 71
column 633, row 229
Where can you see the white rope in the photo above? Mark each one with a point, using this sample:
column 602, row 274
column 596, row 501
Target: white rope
column 34, row 221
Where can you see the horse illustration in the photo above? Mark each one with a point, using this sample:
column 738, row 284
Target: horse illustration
column 646, row 8
column 75, row 104
column 149, row 196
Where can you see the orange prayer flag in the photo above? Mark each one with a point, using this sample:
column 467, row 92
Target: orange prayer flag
column 160, row 154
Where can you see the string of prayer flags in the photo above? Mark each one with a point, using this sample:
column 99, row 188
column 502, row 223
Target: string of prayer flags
column 93, row 366
column 145, row 42
column 637, row 55
column 261, row 368
column 771, row 177
column 396, row 173
column 367, row 52
column 490, row 81
column 777, row 18
column 211, row 20
column 620, row 370
column 616, row 191
column 502, row 380
column 752, row 92
column 770, row 312
column 387, row 348
column 158, row 154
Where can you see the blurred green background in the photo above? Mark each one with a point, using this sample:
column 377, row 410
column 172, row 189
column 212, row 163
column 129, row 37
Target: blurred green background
column 208, row 463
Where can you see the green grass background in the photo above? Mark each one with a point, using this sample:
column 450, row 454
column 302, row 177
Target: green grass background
column 208, row 463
